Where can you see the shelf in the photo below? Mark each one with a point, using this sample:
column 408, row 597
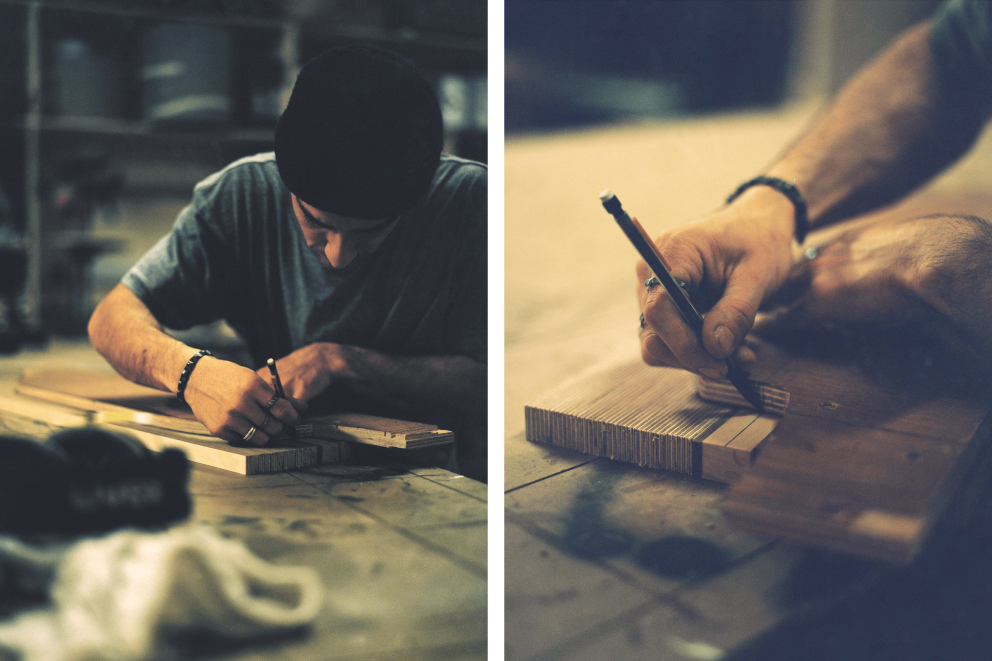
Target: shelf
column 102, row 126
column 394, row 36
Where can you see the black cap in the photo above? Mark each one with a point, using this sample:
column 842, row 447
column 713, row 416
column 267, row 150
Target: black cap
column 362, row 134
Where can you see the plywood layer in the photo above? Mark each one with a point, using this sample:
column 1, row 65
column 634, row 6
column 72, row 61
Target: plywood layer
column 774, row 400
column 649, row 416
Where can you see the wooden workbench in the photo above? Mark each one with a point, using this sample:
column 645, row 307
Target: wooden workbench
column 401, row 551
column 609, row 560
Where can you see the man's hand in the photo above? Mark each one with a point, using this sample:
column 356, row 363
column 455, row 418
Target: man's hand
column 230, row 399
column 730, row 263
column 310, row 370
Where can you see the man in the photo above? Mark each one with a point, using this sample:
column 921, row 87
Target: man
column 900, row 121
column 355, row 256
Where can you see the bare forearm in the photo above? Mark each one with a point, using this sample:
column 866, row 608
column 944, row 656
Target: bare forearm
column 889, row 130
column 128, row 336
column 441, row 385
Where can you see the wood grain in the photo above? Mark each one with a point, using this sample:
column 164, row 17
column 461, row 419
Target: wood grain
column 868, row 460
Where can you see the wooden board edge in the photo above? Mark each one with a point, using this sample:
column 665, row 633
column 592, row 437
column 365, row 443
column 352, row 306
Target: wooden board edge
column 880, row 537
column 112, row 412
column 47, row 412
column 728, row 462
column 218, row 454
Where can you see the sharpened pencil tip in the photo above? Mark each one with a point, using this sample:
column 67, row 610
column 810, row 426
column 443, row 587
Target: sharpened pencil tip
column 606, row 195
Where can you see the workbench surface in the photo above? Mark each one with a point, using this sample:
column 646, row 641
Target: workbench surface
column 401, row 552
column 609, row 560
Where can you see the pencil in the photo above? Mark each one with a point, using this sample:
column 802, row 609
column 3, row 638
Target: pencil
column 276, row 383
column 649, row 252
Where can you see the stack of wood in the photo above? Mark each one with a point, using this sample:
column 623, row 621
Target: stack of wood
column 70, row 398
column 654, row 417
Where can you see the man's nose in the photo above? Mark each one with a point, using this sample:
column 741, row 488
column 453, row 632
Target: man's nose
column 339, row 251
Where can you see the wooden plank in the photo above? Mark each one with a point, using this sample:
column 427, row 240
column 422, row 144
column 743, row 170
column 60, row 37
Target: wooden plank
column 111, row 412
column 863, row 464
column 116, row 399
column 281, row 455
column 644, row 415
column 206, row 450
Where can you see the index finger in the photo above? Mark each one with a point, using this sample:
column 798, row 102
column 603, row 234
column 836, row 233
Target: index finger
column 663, row 317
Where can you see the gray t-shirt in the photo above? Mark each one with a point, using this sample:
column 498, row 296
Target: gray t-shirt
column 237, row 253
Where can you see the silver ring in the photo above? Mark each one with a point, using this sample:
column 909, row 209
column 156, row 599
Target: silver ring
column 251, row 432
column 812, row 252
column 653, row 281
column 271, row 403
column 642, row 321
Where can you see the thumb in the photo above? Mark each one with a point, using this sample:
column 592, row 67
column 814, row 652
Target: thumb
column 731, row 318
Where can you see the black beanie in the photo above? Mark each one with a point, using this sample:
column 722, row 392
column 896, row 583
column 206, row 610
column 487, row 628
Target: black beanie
column 361, row 135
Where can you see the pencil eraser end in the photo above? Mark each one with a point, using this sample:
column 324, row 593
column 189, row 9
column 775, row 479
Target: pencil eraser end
column 270, row 362
column 610, row 202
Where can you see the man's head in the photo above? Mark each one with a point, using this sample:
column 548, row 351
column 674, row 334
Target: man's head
column 362, row 134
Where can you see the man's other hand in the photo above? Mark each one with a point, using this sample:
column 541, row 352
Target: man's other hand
column 889, row 274
column 310, row 370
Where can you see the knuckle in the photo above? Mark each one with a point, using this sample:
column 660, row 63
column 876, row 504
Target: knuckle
column 738, row 313
column 243, row 399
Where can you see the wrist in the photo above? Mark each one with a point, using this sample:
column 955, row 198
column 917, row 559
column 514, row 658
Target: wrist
column 183, row 381
column 785, row 189
column 338, row 360
column 196, row 376
column 768, row 208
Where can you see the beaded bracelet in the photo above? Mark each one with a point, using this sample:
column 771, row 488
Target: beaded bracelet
column 184, row 377
column 787, row 189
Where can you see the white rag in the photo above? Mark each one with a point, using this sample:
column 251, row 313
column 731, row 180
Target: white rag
column 113, row 596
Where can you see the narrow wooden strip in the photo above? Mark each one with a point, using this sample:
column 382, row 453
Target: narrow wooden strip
column 774, row 400
column 217, row 453
column 52, row 414
column 124, row 413
column 734, row 425
column 755, row 433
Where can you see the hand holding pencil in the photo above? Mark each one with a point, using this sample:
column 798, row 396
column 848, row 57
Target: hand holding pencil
column 674, row 333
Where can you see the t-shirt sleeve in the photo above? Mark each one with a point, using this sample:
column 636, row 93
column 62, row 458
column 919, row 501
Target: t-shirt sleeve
column 961, row 39
column 184, row 278
column 467, row 324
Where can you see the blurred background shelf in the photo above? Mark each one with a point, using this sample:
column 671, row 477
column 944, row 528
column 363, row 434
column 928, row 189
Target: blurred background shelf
column 110, row 112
